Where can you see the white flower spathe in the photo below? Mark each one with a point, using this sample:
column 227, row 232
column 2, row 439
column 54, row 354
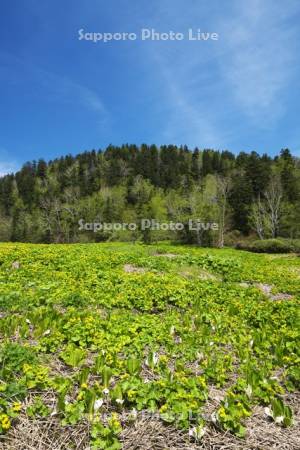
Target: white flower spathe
column 197, row 432
column 98, row 403
column 248, row 390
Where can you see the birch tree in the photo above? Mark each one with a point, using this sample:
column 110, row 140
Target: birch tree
column 273, row 197
column 257, row 218
column 223, row 188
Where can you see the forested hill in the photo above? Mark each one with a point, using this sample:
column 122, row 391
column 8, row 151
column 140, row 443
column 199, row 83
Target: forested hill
column 43, row 202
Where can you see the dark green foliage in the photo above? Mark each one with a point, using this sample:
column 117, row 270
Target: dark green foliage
column 44, row 201
column 272, row 246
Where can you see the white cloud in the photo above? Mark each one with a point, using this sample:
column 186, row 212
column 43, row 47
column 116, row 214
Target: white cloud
column 189, row 120
column 66, row 90
column 55, row 87
column 7, row 163
column 187, row 95
column 187, row 83
column 209, row 93
column 259, row 57
column 7, row 167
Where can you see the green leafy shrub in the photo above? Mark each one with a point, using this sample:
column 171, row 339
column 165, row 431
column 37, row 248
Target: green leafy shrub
column 12, row 359
column 271, row 246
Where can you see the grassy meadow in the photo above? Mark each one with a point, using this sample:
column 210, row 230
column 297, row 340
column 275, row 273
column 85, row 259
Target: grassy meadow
column 110, row 346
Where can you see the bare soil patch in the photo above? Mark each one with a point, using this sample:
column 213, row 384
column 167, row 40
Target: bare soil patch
column 266, row 289
column 129, row 268
column 166, row 255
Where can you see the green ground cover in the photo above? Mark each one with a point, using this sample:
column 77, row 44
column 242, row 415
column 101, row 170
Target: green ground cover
column 96, row 333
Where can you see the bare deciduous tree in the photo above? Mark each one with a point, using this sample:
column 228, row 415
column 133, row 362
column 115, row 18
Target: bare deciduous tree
column 273, row 197
column 223, row 188
column 258, row 218
column 265, row 214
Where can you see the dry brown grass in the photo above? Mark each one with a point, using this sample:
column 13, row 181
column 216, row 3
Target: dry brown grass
column 46, row 434
column 150, row 433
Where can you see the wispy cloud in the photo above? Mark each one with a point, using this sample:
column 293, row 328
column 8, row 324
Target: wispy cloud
column 239, row 93
column 187, row 92
column 56, row 88
column 259, row 56
column 66, row 90
column 211, row 93
column 7, row 164
column 189, row 119
column 6, row 168
column 189, row 86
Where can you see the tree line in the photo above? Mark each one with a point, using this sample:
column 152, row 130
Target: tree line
column 245, row 194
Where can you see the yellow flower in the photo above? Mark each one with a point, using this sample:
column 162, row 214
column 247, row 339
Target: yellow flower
column 114, row 422
column 202, row 382
column 163, row 408
column 131, row 394
column 84, row 386
column 26, row 368
column 17, row 406
column 222, row 413
column 4, row 422
column 245, row 412
column 163, row 359
column 124, row 376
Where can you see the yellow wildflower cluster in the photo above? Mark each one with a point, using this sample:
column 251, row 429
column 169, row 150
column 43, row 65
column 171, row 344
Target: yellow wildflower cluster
column 4, row 422
column 16, row 407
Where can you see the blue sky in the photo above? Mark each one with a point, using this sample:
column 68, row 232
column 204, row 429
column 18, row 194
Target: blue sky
column 59, row 95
